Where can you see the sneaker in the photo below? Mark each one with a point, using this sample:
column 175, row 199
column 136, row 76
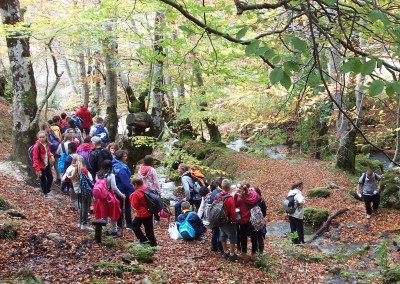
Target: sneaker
column 233, row 257
column 368, row 216
column 86, row 228
column 226, row 255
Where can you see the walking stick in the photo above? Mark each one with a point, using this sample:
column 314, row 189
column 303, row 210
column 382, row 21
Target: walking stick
column 123, row 217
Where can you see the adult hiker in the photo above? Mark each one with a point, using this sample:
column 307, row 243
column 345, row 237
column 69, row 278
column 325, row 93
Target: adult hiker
column 296, row 218
column 87, row 121
column 123, row 179
column 43, row 159
column 369, row 185
column 150, row 178
column 100, row 131
column 143, row 216
column 98, row 155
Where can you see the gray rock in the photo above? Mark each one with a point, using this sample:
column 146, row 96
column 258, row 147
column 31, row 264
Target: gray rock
column 54, row 237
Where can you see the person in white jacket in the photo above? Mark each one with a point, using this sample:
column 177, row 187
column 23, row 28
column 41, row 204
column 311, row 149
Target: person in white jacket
column 296, row 218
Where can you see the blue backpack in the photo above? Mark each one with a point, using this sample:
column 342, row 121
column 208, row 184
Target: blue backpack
column 85, row 186
column 186, row 229
column 78, row 121
column 102, row 133
column 61, row 160
column 54, row 142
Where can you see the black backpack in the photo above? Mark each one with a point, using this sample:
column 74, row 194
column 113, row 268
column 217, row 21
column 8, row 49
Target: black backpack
column 154, row 201
column 374, row 175
column 102, row 155
column 289, row 204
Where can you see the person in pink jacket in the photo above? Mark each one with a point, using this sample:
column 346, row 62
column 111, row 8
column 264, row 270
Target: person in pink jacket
column 245, row 199
column 150, row 180
column 43, row 159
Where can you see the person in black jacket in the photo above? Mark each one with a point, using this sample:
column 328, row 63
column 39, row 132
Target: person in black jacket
column 261, row 233
column 98, row 155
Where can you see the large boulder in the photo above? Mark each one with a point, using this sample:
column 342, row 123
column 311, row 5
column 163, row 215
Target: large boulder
column 390, row 196
column 138, row 122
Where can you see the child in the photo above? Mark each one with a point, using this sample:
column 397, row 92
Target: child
column 73, row 172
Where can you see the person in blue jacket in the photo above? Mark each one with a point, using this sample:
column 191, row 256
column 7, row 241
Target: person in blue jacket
column 194, row 220
column 123, row 180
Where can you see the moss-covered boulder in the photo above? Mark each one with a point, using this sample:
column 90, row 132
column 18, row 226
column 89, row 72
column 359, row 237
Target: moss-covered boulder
column 366, row 149
column 390, row 195
column 8, row 229
column 363, row 163
column 315, row 216
column 4, row 205
column 318, row 192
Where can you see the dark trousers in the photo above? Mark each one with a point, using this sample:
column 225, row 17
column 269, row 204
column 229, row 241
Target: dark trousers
column 178, row 209
column 127, row 213
column 245, row 231
column 148, row 228
column 46, row 179
column 260, row 242
column 374, row 199
column 296, row 225
column 215, row 243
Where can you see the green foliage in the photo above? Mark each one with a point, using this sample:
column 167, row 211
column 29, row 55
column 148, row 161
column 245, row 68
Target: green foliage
column 315, row 216
column 302, row 254
column 117, row 269
column 143, row 252
column 383, row 253
column 146, row 141
column 8, row 229
column 391, row 275
column 4, row 205
column 266, row 262
column 363, row 163
column 366, row 149
column 318, row 192
column 26, row 276
column 110, row 242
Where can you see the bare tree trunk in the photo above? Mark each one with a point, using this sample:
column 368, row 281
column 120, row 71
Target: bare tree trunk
column 396, row 157
column 85, row 84
column 70, row 77
column 110, row 50
column 25, row 108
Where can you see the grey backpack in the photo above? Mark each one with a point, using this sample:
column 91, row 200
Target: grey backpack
column 216, row 213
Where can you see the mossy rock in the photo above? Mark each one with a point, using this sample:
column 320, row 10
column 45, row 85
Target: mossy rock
column 4, row 205
column 392, row 275
column 366, row 149
column 390, row 195
column 363, row 163
column 8, row 230
column 318, row 192
column 315, row 216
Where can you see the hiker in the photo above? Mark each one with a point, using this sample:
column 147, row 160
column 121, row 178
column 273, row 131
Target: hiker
column 85, row 148
column 54, row 142
column 104, row 209
column 99, row 130
column 150, row 179
column 62, row 152
column 77, row 132
column 260, row 234
column 84, row 114
column 56, row 126
column 193, row 219
column 42, row 160
column 67, row 180
column 63, row 121
column 205, row 198
column 296, row 218
column 245, row 199
column 98, row 155
column 369, row 185
column 187, row 183
column 143, row 216
column 113, row 147
column 228, row 231
column 73, row 172
column 122, row 178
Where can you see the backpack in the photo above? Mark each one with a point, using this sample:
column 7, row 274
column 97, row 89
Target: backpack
column 62, row 158
column 365, row 177
column 289, row 204
column 102, row 133
column 101, row 191
column 257, row 218
column 85, row 186
column 216, row 213
column 77, row 120
column 198, row 181
column 102, row 154
column 165, row 211
column 154, row 202
column 54, row 142
column 186, row 229
column 30, row 152
column 84, row 153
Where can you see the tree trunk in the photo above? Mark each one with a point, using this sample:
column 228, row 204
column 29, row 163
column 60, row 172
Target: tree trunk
column 25, row 126
column 158, row 92
column 95, row 109
column 396, row 157
column 110, row 50
column 70, row 77
column 85, row 84
column 345, row 132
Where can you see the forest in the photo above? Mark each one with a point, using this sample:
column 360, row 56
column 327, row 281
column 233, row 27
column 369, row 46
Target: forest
column 266, row 92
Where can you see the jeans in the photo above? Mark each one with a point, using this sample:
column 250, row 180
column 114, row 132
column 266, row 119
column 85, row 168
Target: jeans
column 368, row 199
column 296, row 225
column 84, row 204
column 127, row 213
column 46, row 179
column 148, row 228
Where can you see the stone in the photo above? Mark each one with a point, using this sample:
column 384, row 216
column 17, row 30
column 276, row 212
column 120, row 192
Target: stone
column 54, row 237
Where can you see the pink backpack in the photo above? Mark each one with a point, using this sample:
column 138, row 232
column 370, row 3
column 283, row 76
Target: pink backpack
column 100, row 191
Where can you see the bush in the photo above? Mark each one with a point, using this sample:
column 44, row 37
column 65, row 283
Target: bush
column 318, row 192
column 390, row 197
column 315, row 216
column 117, row 269
column 366, row 149
column 363, row 163
column 143, row 252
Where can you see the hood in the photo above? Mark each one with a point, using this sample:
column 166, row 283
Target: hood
column 86, row 147
column 251, row 198
column 83, row 108
column 144, row 170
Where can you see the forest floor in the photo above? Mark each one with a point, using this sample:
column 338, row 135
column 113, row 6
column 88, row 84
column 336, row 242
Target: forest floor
column 69, row 254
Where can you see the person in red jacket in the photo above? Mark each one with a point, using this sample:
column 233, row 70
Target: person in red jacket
column 43, row 159
column 228, row 231
column 143, row 216
column 86, row 117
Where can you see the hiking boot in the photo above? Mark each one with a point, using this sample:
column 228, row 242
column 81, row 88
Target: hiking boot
column 368, row 216
column 233, row 257
column 226, row 255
